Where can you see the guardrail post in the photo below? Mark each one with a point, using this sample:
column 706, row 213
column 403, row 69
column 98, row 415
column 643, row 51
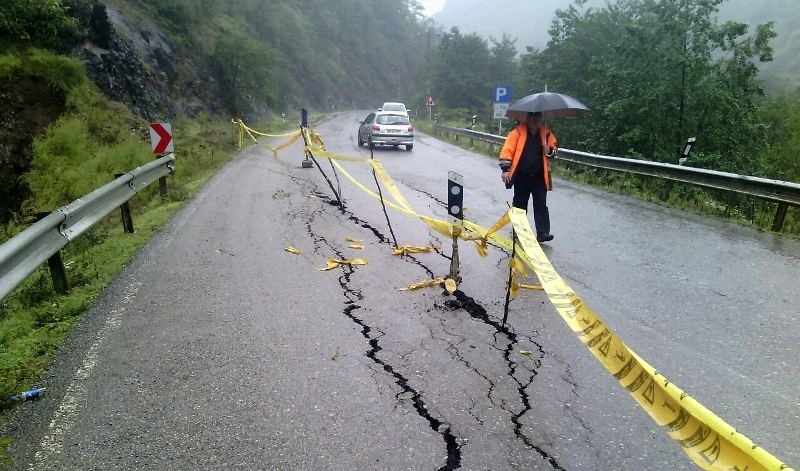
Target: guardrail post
column 56, row 265
column 162, row 186
column 780, row 216
column 125, row 213
column 58, row 273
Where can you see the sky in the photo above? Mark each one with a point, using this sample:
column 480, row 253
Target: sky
column 431, row 6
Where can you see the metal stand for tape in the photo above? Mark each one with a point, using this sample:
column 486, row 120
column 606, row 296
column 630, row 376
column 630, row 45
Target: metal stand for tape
column 455, row 204
column 307, row 163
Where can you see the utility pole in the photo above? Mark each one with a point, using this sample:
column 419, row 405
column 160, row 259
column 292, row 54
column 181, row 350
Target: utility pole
column 430, row 108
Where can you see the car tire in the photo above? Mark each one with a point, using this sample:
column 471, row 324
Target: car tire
column 409, row 147
column 360, row 142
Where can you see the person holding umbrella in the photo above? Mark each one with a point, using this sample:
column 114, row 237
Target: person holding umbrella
column 524, row 162
column 528, row 148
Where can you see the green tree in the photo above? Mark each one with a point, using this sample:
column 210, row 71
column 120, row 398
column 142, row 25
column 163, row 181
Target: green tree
column 655, row 72
column 782, row 114
column 461, row 77
column 503, row 64
column 34, row 22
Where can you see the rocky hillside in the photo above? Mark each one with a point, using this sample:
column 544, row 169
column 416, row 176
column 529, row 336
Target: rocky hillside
column 134, row 61
column 238, row 58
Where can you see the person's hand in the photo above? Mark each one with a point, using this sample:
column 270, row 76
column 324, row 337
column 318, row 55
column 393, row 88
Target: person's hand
column 506, row 177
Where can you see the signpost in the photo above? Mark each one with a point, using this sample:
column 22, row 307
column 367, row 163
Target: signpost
column 501, row 99
column 686, row 150
column 429, row 103
column 161, row 138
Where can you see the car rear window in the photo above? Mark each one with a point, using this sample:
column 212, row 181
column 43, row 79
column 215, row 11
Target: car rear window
column 391, row 119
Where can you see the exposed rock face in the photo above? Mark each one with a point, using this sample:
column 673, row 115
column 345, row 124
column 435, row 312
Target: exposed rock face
column 132, row 61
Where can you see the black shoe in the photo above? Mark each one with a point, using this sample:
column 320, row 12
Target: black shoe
column 544, row 237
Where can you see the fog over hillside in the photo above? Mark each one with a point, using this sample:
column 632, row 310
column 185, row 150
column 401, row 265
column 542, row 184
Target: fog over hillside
column 517, row 18
column 528, row 21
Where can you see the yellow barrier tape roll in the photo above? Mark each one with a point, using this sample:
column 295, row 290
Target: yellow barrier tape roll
column 708, row 441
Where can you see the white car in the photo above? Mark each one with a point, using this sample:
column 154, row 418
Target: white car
column 394, row 106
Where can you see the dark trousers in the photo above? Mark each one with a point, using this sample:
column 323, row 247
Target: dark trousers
column 527, row 186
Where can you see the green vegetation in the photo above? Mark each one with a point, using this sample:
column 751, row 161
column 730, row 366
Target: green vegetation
column 80, row 151
column 653, row 74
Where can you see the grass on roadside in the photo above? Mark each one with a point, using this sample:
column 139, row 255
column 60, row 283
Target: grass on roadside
column 34, row 320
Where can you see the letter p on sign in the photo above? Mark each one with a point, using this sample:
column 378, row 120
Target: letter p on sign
column 161, row 138
column 502, row 93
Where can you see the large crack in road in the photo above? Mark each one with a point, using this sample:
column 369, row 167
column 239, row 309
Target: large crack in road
column 521, row 376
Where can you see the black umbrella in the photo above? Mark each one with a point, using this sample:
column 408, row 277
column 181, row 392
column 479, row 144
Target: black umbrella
column 551, row 105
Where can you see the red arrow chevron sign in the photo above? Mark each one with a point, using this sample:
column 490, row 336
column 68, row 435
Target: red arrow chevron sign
column 161, row 138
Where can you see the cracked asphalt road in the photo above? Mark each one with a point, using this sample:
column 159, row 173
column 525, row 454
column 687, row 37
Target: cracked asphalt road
column 216, row 349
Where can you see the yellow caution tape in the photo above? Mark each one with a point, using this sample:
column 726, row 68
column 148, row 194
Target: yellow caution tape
column 351, row 239
column 356, row 246
column 708, row 441
column 534, row 287
column 293, row 250
column 423, row 284
column 253, row 131
column 333, row 263
column 401, row 204
column 407, row 249
column 243, row 128
column 285, row 144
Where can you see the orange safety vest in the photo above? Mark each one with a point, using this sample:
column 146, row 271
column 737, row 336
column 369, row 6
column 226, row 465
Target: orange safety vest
column 515, row 142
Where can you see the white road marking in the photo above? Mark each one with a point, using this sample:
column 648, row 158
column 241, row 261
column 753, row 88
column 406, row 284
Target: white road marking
column 64, row 418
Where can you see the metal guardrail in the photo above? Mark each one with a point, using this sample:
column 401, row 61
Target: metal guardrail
column 24, row 253
column 783, row 193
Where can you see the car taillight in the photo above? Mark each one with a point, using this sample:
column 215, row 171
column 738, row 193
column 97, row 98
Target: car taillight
column 375, row 127
column 410, row 129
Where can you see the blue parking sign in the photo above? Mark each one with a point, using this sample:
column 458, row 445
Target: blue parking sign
column 502, row 94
